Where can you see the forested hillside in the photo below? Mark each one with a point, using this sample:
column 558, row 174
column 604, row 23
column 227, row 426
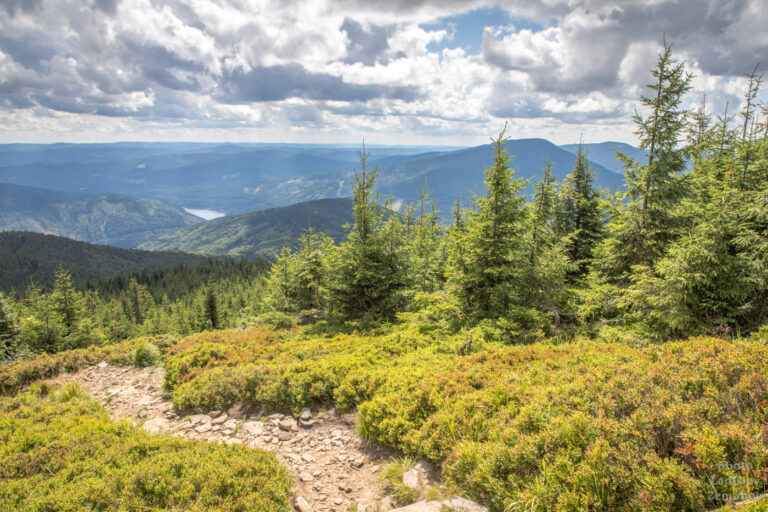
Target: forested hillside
column 111, row 219
column 258, row 234
column 32, row 258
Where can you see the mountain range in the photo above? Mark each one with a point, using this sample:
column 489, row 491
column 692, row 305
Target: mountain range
column 136, row 194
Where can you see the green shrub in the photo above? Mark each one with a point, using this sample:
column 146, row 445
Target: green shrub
column 276, row 319
column 64, row 453
column 146, row 354
column 567, row 426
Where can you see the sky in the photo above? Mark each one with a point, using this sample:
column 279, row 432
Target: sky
column 388, row 71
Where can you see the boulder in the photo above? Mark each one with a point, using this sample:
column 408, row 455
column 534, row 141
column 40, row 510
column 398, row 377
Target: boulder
column 252, row 428
column 288, row 424
column 464, row 505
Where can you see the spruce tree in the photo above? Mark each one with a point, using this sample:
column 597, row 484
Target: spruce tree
column 369, row 268
column 9, row 330
column 579, row 216
column 425, row 247
column 641, row 230
column 211, row 308
column 542, row 214
column 137, row 301
column 488, row 265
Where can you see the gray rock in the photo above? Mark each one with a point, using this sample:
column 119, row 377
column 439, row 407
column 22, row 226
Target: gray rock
column 199, row 418
column 306, row 477
column 387, row 504
column 464, row 505
column 288, row 424
column 220, row 419
column 303, row 505
column 205, row 427
column 411, row 479
column 252, row 428
column 306, row 414
column 284, row 436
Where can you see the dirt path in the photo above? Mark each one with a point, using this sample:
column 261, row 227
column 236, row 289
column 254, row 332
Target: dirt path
column 331, row 466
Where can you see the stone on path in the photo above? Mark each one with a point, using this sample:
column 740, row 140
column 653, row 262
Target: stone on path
column 303, row 505
column 156, row 425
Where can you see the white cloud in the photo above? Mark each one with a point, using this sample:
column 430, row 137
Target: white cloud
column 268, row 69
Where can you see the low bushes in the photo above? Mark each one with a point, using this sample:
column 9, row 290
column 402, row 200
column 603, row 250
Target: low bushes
column 681, row 426
column 60, row 451
column 14, row 376
column 579, row 426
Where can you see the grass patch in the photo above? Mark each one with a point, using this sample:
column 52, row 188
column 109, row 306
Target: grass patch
column 392, row 474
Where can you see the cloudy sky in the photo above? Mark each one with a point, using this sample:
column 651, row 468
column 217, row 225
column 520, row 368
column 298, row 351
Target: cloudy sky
column 392, row 71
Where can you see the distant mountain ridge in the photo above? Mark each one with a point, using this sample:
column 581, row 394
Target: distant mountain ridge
column 107, row 218
column 258, row 234
column 240, row 178
column 33, row 258
column 460, row 173
column 604, row 154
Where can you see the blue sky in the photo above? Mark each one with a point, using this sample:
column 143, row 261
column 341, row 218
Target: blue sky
column 466, row 29
column 394, row 71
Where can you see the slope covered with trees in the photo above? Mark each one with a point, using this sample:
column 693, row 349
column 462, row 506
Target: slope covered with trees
column 111, row 219
column 33, row 258
column 257, row 234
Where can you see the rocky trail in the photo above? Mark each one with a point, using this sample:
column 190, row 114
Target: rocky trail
column 332, row 467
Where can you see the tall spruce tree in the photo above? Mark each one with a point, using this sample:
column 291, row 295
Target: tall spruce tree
column 368, row 270
column 211, row 316
column 488, row 265
column 641, row 229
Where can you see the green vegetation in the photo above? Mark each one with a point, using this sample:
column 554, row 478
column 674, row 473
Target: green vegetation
column 61, row 451
column 111, row 219
column 182, row 299
column 33, row 258
column 583, row 425
column 15, row 375
column 258, row 234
